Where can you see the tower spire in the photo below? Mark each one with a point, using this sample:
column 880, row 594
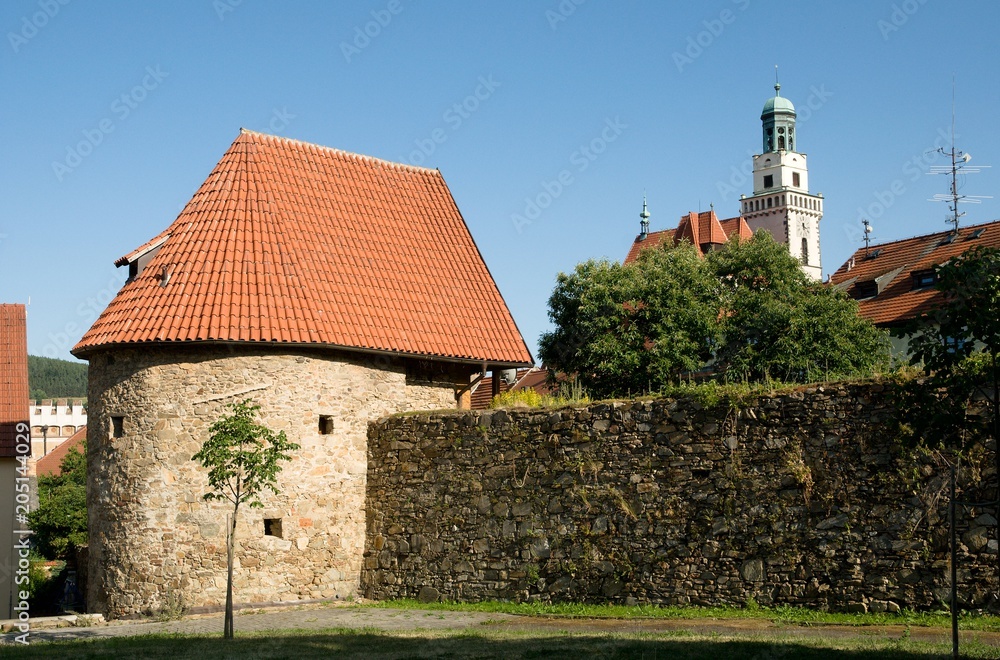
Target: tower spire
column 643, row 220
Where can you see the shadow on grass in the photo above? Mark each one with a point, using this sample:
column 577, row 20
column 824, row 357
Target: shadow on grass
column 372, row 644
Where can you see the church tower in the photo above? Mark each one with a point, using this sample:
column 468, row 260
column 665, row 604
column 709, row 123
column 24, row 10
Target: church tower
column 781, row 202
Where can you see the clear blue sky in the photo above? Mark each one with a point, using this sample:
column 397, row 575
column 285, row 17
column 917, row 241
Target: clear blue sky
column 669, row 93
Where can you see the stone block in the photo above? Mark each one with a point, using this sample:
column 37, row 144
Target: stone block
column 753, row 570
column 428, row 595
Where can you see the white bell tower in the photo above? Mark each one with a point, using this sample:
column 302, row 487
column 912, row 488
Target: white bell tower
column 781, row 202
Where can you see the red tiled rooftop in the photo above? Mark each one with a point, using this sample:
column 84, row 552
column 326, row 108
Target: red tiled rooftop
column 701, row 230
column 652, row 239
column 294, row 243
column 51, row 463
column 889, row 267
column 13, row 375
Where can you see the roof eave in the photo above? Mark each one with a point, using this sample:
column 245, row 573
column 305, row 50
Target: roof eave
column 85, row 352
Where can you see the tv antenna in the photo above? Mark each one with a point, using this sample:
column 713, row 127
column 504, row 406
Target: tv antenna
column 959, row 165
column 868, row 235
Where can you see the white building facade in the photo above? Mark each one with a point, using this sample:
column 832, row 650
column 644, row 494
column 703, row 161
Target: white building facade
column 53, row 421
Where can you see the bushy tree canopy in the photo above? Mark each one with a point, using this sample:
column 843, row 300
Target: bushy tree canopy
column 956, row 345
column 633, row 328
column 60, row 522
column 746, row 310
column 778, row 324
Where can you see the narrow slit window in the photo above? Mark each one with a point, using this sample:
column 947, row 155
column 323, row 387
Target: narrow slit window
column 325, row 424
column 272, row 527
column 117, row 427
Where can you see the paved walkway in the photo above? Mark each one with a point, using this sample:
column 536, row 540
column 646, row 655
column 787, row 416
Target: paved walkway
column 300, row 618
column 317, row 617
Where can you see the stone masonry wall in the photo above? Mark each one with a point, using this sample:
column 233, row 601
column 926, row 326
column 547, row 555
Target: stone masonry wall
column 802, row 498
column 155, row 543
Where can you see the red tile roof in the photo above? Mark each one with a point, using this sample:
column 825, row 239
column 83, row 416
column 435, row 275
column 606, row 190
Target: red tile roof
column 294, row 243
column 13, row 376
column 51, row 463
column 702, row 230
column 883, row 282
column 652, row 239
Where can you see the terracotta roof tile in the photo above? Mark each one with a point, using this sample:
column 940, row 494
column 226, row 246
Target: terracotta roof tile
column 295, row 243
column 51, row 463
column 14, row 391
column 888, row 272
column 699, row 229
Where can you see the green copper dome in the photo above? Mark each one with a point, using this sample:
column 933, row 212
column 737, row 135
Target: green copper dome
column 777, row 103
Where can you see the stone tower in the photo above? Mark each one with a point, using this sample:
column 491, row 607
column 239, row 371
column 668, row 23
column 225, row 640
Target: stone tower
column 331, row 289
column 781, row 202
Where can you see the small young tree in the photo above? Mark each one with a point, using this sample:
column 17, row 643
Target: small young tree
column 242, row 458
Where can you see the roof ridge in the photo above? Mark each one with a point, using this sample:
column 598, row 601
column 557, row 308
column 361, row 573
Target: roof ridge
column 341, row 152
column 933, row 233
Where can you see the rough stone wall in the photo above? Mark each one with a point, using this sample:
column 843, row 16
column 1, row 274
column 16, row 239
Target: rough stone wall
column 155, row 543
column 802, row 498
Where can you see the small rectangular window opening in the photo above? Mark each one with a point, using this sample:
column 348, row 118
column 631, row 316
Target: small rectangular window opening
column 325, row 424
column 866, row 289
column 795, row 179
column 768, row 180
column 923, row 279
column 117, row 427
column 272, row 527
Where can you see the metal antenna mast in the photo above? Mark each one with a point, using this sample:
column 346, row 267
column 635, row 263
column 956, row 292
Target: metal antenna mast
column 959, row 164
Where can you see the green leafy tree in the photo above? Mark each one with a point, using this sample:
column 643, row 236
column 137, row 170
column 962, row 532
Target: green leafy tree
column 956, row 346
column 60, row 521
column 778, row 324
column 747, row 310
column 635, row 328
column 243, row 459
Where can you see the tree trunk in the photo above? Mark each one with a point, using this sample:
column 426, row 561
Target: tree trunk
column 227, row 631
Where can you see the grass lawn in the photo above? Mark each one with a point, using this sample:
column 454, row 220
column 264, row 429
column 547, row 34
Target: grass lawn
column 567, row 631
column 783, row 615
column 354, row 643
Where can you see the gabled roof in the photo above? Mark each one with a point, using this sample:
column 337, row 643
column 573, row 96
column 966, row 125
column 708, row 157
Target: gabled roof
column 13, row 376
column 702, row 230
column 885, row 280
column 293, row 243
column 51, row 463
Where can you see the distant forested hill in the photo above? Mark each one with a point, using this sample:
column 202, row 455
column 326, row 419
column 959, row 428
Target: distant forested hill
column 56, row 379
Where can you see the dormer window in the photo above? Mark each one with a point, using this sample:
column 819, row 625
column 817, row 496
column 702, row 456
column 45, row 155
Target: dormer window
column 866, row 289
column 924, row 278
